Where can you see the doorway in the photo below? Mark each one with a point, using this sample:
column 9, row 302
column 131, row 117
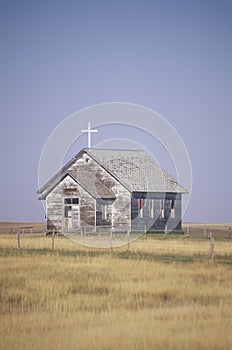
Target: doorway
column 71, row 210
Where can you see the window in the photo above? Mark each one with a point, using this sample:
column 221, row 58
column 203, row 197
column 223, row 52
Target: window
column 162, row 208
column 162, row 213
column 140, row 203
column 156, row 208
column 75, row 200
column 104, row 212
column 71, row 201
column 173, row 214
column 152, row 208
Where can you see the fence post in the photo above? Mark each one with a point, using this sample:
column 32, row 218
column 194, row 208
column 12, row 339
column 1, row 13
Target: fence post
column 53, row 238
column 211, row 246
column 205, row 230
column 128, row 239
column 111, row 235
column 19, row 246
column 145, row 231
column 165, row 231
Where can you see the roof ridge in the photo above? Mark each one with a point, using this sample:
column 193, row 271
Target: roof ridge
column 115, row 149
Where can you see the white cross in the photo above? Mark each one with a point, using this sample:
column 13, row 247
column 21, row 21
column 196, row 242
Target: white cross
column 89, row 133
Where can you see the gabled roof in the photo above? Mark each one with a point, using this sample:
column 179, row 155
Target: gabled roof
column 93, row 186
column 134, row 169
column 56, row 182
column 59, row 175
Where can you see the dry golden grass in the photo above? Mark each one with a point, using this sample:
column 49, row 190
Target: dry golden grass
column 78, row 298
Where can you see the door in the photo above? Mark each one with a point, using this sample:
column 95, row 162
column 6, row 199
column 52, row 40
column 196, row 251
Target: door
column 71, row 210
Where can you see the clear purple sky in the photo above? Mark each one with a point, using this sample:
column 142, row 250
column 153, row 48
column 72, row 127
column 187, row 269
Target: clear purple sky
column 172, row 56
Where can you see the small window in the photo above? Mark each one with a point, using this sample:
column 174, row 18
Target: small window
column 71, row 201
column 157, row 208
column 104, row 212
column 75, row 200
column 173, row 214
column 162, row 213
column 152, row 208
column 162, row 208
column 161, row 201
column 140, row 205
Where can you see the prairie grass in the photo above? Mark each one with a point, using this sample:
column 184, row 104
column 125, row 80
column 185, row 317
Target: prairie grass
column 79, row 298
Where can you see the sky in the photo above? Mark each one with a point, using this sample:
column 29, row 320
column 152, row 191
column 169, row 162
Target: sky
column 171, row 56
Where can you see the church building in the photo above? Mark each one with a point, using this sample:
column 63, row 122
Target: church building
column 118, row 189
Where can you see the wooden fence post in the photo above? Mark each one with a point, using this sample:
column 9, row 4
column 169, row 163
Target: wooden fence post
column 111, row 236
column 211, row 246
column 165, row 231
column 128, row 239
column 53, row 238
column 19, row 246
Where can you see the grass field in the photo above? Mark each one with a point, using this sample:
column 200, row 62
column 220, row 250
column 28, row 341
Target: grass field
column 162, row 294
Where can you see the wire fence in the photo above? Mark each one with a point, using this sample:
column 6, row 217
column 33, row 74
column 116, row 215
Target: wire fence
column 95, row 237
column 199, row 240
column 205, row 230
column 103, row 237
column 24, row 228
column 190, row 229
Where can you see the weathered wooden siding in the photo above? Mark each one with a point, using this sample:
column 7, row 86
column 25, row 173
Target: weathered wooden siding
column 91, row 174
column 156, row 211
column 68, row 188
column 122, row 210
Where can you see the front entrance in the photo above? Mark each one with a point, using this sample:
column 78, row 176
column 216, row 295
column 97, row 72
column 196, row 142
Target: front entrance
column 71, row 209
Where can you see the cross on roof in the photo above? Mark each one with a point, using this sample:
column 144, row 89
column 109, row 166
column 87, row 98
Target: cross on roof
column 89, row 131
